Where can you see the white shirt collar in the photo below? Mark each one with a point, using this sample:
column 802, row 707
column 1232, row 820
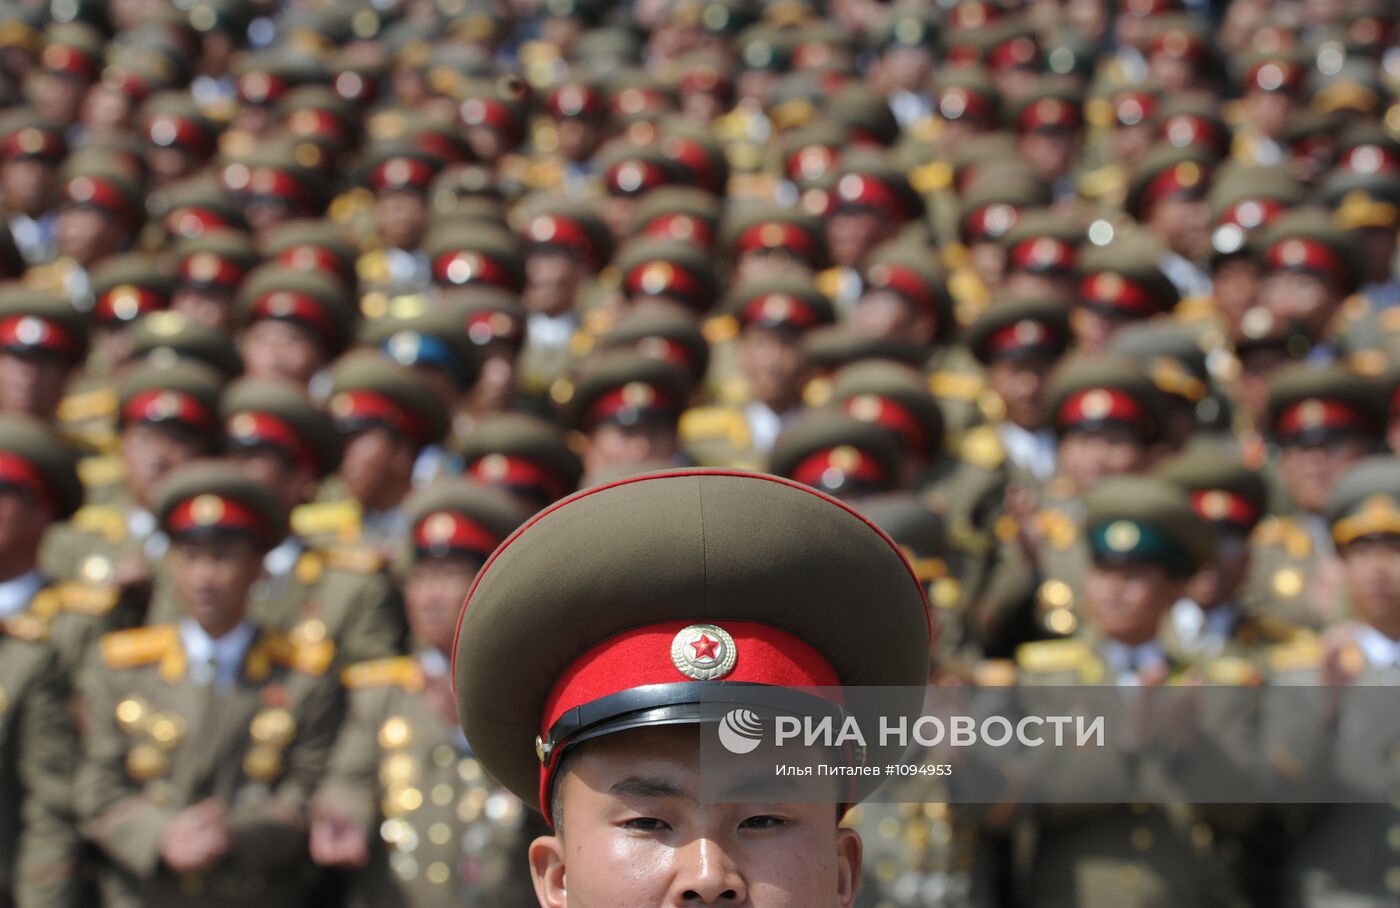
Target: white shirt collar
column 1127, row 662
column 1380, row 650
column 226, row 652
column 280, row 561
column 16, row 593
column 764, row 425
column 1033, row 452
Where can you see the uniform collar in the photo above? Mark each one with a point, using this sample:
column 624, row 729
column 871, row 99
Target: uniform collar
column 280, row 561
column 16, row 593
column 225, row 652
column 1380, row 650
column 1127, row 662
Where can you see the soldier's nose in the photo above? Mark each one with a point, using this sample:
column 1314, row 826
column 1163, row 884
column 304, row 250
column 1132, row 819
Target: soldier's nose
column 708, row 877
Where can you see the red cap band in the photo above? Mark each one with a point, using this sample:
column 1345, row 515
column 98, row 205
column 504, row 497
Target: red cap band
column 856, row 191
column 453, row 532
column 1251, row 214
column 884, row 411
column 165, row 406
column 253, row 428
column 636, row 395
column 1301, row 254
column 126, row 302
column 1186, row 178
column 401, row 173
column 32, row 142
column 208, row 511
column 566, row 233
column 1101, row 405
column 1043, row 253
column 1026, row 334
column 490, row 325
column 464, row 267
column 16, row 471
column 206, row 268
column 1020, row 52
column 777, row 235
column 1317, row 413
column 98, row 193
column 189, row 222
column 681, row 227
column 779, row 310
column 1113, row 291
column 848, row 462
column 635, row 177
column 34, row 333
column 291, row 306
column 1049, row 113
column 517, row 472
column 904, row 281
column 169, row 130
column 369, row 406
column 1221, row 506
column 574, row 100
column 311, row 258
column 665, row 279
column 990, row 222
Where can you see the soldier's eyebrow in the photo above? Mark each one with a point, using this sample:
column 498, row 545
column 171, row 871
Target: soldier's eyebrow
column 647, row 787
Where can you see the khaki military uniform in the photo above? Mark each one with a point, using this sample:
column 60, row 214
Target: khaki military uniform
column 1283, row 564
column 38, row 836
column 1063, row 560
column 1101, row 854
column 443, row 833
column 159, row 742
column 1343, row 854
column 957, row 382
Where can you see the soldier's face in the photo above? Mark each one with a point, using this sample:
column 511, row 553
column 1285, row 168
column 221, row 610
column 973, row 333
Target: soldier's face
column 204, row 307
column 31, row 385
column 1310, row 471
column 273, row 348
column 27, row 183
column 149, row 453
column 1087, row 457
column 83, row 234
column 433, row 597
column 377, row 467
column 1020, row 383
column 1373, row 579
column 22, row 519
column 212, row 579
column 611, row 445
column 1127, row 601
column 400, row 218
column 636, row 833
column 773, row 366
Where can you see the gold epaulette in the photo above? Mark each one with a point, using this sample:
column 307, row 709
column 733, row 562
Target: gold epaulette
column 1303, row 652
column 711, row 423
column 1390, row 320
column 981, row 446
column 45, row 604
column 932, row 177
column 373, row 267
column 101, row 471
column 718, row 329
column 1196, row 309
column 397, row 671
column 1045, row 656
column 95, row 404
column 1059, row 528
column 963, row 386
column 322, row 517
column 1103, row 181
column 1231, row 670
column 307, row 658
column 829, row 282
column 356, row 559
column 138, row 646
column 103, row 520
column 346, row 206
column 1284, row 531
column 86, row 598
column 26, row 627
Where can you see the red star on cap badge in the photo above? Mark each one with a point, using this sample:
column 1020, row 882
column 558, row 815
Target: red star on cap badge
column 705, row 648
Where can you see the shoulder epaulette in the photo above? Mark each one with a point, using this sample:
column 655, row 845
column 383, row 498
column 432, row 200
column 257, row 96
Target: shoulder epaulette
column 138, row 646
column 373, row 267
column 1058, row 527
column 1231, row 670
column 963, row 386
column 87, row 599
column 1052, row 655
column 398, row 671
column 706, row 423
column 305, row 658
column 829, row 282
column 101, row 471
column 720, row 328
column 981, row 446
column 1102, row 181
column 45, row 604
column 103, row 520
column 85, row 405
column 1390, row 319
column 26, row 627
column 357, row 559
column 321, row 517
column 934, row 176
column 1303, row 652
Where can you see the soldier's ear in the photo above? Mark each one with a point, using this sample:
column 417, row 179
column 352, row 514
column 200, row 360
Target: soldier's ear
column 547, row 871
column 849, row 849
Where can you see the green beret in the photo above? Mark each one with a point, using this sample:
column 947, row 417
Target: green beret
column 214, row 498
column 1145, row 519
column 774, row 561
column 1308, row 403
column 665, row 333
column 839, row 454
column 1223, row 491
column 1095, row 392
column 312, row 299
column 249, row 397
column 1366, row 501
column 183, row 393
column 421, row 415
column 998, row 333
column 39, row 320
column 779, row 302
column 650, row 389
column 496, row 441
column 867, row 391
column 455, row 516
column 42, row 451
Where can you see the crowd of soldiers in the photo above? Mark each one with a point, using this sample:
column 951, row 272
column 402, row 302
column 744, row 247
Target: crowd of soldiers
column 307, row 307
